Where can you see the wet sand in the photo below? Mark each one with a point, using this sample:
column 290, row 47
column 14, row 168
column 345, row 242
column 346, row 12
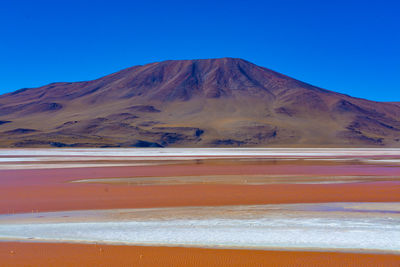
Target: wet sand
column 58, row 254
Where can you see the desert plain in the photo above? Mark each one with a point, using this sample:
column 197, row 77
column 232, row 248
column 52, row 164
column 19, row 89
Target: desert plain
column 200, row 206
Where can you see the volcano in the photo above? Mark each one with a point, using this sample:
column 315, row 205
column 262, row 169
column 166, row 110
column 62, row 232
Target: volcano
column 224, row 102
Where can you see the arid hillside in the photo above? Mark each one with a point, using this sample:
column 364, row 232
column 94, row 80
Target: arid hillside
column 194, row 103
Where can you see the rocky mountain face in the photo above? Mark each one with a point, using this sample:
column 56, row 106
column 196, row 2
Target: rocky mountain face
column 194, row 103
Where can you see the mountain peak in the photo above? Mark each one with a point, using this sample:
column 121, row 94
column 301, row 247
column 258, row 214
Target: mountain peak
column 173, row 80
column 198, row 102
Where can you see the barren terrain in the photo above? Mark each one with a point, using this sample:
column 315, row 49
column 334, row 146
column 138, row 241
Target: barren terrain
column 194, row 103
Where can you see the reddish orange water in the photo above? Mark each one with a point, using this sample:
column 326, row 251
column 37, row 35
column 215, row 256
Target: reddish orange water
column 49, row 190
column 45, row 254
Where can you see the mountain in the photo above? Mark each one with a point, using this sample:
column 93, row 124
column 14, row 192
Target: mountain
column 194, row 103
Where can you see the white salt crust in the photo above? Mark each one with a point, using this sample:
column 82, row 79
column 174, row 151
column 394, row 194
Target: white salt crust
column 337, row 226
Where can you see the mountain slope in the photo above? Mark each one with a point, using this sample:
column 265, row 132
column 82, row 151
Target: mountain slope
column 211, row 102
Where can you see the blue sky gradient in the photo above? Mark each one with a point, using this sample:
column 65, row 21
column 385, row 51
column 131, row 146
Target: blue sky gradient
column 350, row 47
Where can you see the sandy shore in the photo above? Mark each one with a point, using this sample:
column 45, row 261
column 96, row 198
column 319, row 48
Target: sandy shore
column 48, row 254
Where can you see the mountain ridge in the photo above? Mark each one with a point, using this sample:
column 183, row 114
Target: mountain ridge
column 201, row 102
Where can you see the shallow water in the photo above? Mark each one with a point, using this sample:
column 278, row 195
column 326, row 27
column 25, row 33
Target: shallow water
column 115, row 178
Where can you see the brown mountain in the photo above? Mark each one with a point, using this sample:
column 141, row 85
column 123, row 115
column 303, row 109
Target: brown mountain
column 211, row 102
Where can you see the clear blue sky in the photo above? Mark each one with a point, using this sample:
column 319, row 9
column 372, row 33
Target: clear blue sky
column 351, row 47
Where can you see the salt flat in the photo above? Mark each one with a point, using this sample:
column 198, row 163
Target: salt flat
column 118, row 157
column 201, row 152
column 325, row 226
